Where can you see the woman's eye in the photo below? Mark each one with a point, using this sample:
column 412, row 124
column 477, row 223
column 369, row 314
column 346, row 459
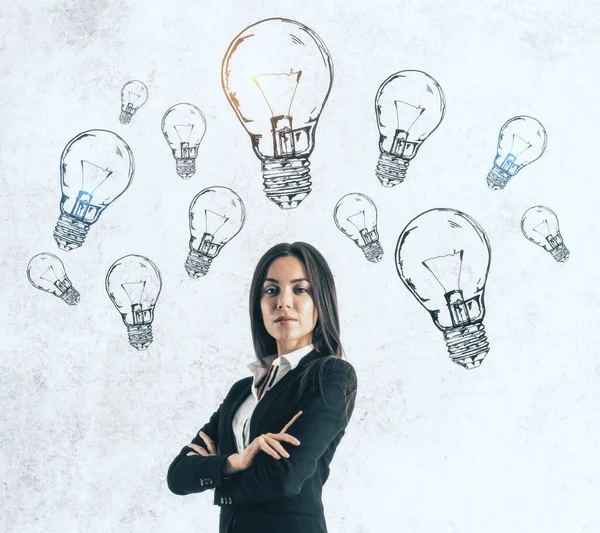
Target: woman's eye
column 302, row 289
column 270, row 290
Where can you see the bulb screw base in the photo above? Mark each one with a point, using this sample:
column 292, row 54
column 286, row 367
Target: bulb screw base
column 69, row 232
column 70, row 296
column 391, row 169
column 185, row 168
column 286, row 181
column 373, row 252
column 467, row 345
column 560, row 253
column 140, row 336
column 497, row 179
column 125, row 117
column 197, row 265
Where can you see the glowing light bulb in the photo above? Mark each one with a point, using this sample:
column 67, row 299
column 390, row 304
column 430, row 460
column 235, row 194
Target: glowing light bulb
column 47, row 273
column 521, row 141
column 96, row 167
column 217, row 215
column 134, row 95
column 443, row 258
column 184, row 126
column 355, row 215
column 409, row 106
column 277, row 74
column 539, row 224
column 133, row 284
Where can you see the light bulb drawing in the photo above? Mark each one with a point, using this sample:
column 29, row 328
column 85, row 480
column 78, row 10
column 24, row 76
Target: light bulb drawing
column 539, row 224
column 133, row 284
column 134, row 95
column 46, row 272
column 184, row 127
column 277, row 75
column 355, row 215
column 96, row 167
column 217, row 214
column 443, row 258
column 409, row 106
column 521, row 141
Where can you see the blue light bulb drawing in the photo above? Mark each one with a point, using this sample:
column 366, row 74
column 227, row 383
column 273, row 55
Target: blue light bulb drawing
column 46, row 272
column 133, row 283
column 96, row 167
column 443, row 259
column 521, row 141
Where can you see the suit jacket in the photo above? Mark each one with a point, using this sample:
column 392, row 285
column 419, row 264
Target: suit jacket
column 272, row 496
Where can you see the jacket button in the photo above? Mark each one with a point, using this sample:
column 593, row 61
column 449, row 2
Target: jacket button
column 222, row 499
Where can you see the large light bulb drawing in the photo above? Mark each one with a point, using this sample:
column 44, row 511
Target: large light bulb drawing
column 47, row 273
column 355, row 215
column 133, row 284
column 96, row 167
column 443, row 258
column 217, row 215
column 409, row 106
column 521, row 141
column 134, row 95
column 277, row 75
column 184, row 126
column 539, row 224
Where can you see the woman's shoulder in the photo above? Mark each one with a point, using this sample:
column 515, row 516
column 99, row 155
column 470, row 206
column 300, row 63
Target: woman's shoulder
column 335, row 368
column 239, row 386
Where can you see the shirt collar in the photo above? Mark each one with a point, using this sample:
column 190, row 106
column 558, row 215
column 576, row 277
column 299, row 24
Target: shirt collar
column 292, row 359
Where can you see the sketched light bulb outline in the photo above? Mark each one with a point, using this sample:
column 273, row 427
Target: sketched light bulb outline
column 96, row 167
column 521, row 141
column 355, row 215
column 133, row 284
column 409, row 106
column 277, row 76
column 539, row 224
column 217, row 214
column 134, row 95
column 46, row 272
column 184, row 126
column 443, row 258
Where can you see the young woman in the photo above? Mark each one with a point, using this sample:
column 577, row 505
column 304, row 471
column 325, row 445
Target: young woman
column 266, row 450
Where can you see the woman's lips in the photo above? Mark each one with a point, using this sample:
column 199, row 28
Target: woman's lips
column 285, row 321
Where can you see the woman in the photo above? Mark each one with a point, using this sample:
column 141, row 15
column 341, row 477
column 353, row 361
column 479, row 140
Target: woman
column 265, row 479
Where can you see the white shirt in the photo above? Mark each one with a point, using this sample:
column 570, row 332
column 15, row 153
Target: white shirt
column 285, row 363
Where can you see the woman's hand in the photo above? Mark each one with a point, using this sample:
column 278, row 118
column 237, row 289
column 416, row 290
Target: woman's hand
column 268, row 443
column 200, row 450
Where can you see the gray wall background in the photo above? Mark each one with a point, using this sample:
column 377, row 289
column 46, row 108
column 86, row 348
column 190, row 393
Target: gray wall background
column 89, row 425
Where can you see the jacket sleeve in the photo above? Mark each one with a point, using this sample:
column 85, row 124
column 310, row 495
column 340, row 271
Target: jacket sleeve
column 196, row 473
column 322, row 419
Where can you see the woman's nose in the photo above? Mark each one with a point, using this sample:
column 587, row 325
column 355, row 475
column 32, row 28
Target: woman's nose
column 284, row 299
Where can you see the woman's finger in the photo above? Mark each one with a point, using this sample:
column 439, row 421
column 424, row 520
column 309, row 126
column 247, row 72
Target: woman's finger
column 285, row 437
column 285, row 428
column 199, row 449
column 264, row 446
column 276, row 446
column 209, row 443
column 191, row 453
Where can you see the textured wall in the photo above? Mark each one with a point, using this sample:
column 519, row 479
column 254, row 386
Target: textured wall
column 89, row 425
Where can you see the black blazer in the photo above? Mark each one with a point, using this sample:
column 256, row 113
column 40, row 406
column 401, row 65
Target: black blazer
column 272, row 496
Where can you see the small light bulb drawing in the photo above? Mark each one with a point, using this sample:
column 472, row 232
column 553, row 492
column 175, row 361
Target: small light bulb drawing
column 277, row 75
column 217, row 214
column 443, row 259
column 134, row 95
column 47, row 273
column 96, row 167
column 133, row 283
column 355, row 215
column 521, row 141
column 184, row 126
column 539, row 224
column 409, row 106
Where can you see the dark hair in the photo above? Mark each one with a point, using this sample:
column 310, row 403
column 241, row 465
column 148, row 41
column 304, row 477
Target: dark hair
column 326, row 334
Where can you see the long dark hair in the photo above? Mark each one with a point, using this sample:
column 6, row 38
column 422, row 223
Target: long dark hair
column 326, row 334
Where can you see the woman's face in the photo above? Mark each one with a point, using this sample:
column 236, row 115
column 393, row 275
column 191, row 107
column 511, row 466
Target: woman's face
column 288, row 310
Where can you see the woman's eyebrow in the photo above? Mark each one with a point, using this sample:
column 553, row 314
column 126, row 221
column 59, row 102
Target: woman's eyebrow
column 292, row 281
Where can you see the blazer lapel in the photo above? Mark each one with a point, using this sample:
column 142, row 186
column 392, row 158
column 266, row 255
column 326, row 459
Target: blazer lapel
column 230, row 443
column 269, row 397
